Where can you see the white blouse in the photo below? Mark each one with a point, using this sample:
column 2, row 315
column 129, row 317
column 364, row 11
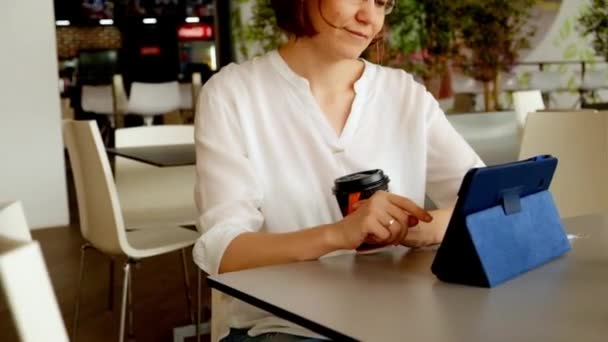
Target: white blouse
column 267, row 157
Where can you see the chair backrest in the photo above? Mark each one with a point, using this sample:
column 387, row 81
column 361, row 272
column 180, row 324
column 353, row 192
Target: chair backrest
column 579, row 142
column 24, row 281
column 101, row 221
column 154, row 98
column 147, row 192
column 12, row 222
column 97, row 99
column 525, row 102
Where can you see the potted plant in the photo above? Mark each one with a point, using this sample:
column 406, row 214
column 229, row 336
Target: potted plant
column 489, row 37
column 260, row 34
column 420, row 39
column 594, row 23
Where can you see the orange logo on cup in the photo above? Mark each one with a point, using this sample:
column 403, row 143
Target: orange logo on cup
column 352, row 199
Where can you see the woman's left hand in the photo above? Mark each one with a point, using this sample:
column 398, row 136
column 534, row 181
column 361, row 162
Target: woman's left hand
column 428, row 234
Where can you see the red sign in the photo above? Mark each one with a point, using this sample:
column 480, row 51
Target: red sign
column 194, row 32
column 149, row 50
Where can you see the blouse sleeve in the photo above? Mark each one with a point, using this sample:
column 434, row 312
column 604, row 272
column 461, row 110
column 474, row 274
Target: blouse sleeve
column 449, row 157
column 227, row 193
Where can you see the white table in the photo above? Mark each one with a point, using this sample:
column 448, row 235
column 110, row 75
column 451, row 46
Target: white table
column 393, row 296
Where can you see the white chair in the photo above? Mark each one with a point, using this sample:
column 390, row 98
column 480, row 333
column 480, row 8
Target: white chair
column 152, row 99
column 12, row 222
column 109, row 99
column 98, row 99
column 197, row 84
column 101, row 221
column 150, row 194
column 578, row 141
column 185, row 95
column 24, row 281
column 121, row 101
column 525, row 102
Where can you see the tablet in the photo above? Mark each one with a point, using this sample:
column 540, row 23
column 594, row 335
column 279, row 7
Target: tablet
column 483, row 188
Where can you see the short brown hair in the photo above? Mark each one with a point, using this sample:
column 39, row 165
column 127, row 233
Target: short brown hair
column 293, row 17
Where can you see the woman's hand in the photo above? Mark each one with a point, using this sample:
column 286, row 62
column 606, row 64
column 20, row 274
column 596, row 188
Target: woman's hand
column 382, row 219
column 427, row 234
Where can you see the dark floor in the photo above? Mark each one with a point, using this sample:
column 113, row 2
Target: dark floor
column 158, row 291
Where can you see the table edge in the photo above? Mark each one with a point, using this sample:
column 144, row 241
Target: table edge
column 279, row 312
column 115, row 152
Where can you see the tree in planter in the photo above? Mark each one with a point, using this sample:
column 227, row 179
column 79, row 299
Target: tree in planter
column 594, row 23
column 260, row 34
column 420, row 38
column 490, row 35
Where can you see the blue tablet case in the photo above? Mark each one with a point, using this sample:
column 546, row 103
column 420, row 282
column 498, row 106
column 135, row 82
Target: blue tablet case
column 504, row 223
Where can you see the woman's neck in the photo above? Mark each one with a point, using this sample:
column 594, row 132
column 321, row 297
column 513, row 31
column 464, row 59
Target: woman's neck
column 325, row 73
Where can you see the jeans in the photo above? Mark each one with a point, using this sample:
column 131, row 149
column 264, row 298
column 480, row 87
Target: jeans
column 240, row 335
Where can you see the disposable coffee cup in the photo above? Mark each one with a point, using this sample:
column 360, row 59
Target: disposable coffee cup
column 356, row 187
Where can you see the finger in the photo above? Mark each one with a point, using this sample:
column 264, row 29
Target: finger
column 404, row 232
column 358, row 204
column 398, row 233
column 398, row 214
column 378, row 231
column 405, row 221
column 392, row 224
column 412, row 221
column 411, row 207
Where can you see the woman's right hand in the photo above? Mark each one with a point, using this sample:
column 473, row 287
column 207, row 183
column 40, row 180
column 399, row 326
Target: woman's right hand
column 382, row 219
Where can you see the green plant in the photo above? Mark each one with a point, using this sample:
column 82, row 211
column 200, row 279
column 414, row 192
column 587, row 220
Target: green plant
column 490, row 35
column 420, row 36
column 260, row 34
column 594, row 23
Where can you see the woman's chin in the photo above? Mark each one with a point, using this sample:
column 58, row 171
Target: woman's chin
column 350, row 52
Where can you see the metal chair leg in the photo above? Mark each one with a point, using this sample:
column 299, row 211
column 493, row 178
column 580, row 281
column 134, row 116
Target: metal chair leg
column 187, row 285
column 130, row 305
column 111, row 286
column 123, row 305
column 198, row 304
column 83, row 250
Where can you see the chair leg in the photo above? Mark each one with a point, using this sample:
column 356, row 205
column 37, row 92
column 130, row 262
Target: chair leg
column 187, row 285
column 83, row 250
column 111, row 286
column 130, row 305
column 123, row 305
column 198, row 304
column 148, row 120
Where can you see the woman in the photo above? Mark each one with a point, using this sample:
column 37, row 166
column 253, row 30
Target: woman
column 273, row 133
